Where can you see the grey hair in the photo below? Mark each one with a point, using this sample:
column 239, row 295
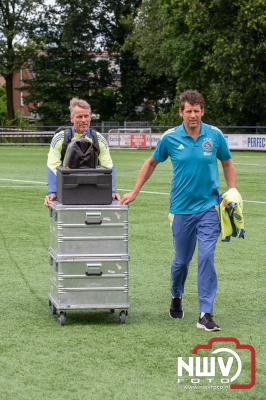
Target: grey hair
column 75, row 101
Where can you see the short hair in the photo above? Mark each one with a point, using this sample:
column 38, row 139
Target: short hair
column 76, row 102
column 191, row 97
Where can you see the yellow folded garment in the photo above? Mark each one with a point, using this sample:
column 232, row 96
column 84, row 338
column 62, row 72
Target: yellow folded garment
column 231, row 215
column 171, row 219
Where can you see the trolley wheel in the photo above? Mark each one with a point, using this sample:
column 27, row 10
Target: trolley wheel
column 112, row 310
column 122, row 316
column 62, row 318
column 52, row 308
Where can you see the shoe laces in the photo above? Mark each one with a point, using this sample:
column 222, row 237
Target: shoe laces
column 208, row 316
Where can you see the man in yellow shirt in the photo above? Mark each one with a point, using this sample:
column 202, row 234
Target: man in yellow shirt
column 80, row 116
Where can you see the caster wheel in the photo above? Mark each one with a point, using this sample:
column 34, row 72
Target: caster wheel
column 62, row 318
column 52, row 308
column 123, row 317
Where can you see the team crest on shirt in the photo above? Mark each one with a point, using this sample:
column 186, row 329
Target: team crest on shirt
column 207, row 146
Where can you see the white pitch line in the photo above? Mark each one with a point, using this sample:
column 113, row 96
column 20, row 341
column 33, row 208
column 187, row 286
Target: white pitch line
column 146, row 192
column 254, row 201
column 248, row 165
column 163, row 193
column 122, row 190
column 20, row 180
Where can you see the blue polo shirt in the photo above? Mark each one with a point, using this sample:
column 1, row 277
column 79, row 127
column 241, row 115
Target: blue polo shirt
column 195, row 179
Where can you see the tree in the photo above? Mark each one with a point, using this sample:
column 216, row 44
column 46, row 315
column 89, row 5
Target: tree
column 16, row 34
column 2, row 105
column 138, row 88
column 68, row 65
column 72, row 32
column 238, row 58
column 215, row 46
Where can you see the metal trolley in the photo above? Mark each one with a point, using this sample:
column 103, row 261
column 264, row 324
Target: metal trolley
column 88, row 257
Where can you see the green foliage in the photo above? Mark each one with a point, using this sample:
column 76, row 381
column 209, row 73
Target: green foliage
column 67, row 66
column 161, row 46
column 2, row 105
column 140, row 92
column 17, row 40
column 19, row 120
column 105, row 101
column 217, row 47
column 168, row 116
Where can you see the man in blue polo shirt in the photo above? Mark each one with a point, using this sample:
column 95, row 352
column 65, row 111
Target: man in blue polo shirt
column 193, row 148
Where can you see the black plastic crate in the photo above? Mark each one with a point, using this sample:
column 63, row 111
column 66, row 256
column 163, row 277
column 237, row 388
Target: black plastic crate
column 84, row 186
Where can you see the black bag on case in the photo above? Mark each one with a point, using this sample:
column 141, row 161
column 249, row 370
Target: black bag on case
column 68, row 136
column 81, row 153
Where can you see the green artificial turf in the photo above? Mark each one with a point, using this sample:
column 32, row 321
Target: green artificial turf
column 93, row 356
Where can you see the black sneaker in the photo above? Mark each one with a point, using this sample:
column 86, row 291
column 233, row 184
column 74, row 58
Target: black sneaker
column 207, row 323
column 176, row 309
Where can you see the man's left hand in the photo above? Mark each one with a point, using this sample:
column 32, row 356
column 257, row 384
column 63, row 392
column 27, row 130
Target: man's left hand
column 116, row 196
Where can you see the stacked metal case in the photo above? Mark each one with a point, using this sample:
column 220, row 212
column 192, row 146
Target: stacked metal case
column 88, row 258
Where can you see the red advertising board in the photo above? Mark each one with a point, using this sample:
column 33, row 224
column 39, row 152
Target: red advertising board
column 138, row 140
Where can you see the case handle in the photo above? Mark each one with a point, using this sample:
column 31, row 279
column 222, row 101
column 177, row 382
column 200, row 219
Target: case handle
column 93, row 218
column 93, row 273
column 93, row 270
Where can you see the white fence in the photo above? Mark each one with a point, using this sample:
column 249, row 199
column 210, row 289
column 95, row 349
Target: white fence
column 238, row 137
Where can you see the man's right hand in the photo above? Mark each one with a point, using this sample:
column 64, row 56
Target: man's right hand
column 128, row 197
column 48, row 198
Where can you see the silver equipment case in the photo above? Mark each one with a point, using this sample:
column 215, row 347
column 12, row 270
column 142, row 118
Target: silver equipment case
column 88, row 257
